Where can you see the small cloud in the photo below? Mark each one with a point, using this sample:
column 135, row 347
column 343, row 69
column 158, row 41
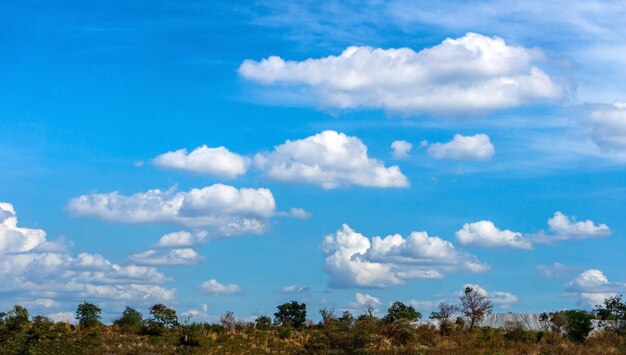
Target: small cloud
column 476, row 147
column 299, row 213
column 295, row 289
column 401, row 149
column 215, row 288
column 555, row 270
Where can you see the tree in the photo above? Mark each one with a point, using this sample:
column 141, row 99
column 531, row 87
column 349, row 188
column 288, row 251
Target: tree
column 228, row 321
column 263, row 323
column 130, row 321
column 475, row 305
column 613, row 314
column 164, row 316
column 291, row 314
column 400, row 311
column 88, row 314
column 444, row 313
column 17, row 318
column 577, row 325
column 328, row 315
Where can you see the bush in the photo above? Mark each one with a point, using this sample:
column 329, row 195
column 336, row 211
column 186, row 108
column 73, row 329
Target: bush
column 578, row 325
column 130, row 321
column 88, row 314
column 263, row 323
column 291, row 314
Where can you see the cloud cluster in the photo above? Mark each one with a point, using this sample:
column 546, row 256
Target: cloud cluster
column 606, row 126
column 476, row 147
column 184, row 256
column 182, row 239
column 329, row 159
column 554, row 270
column 565, row 227
column 401, row 149
column 226, row 209
column 213, row 287
column 31, row 267
column 592, row 287
column 498, row 298
column 486, row 235
column 357, row 261
column 204, row 160
column 468, row 75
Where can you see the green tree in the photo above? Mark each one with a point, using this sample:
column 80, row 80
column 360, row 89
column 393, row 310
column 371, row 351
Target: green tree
column 164, row 316
column 130, row 320
column 577, row 325
column 291, row 314
column 400, row 311
column 17, row 318
column 475, row 305
column 613, row 314
column 88, row 314
column 263, row 323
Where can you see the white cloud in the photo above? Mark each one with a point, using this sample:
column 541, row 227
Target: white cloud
column 469, row 75
column 498, row 298
column 329, row 159
column 476, row 147
column 568, row 228
column 485, row 234
column 204, row 160
column 61, row 316
column 299, row 213
column 228, row 210
column 401, row 149
column 554, row 270
column 364, row 299
column 215, row 288
column 356, row 261
column 50, row 278
column 592, row 287
column 295, row 289
column 606, row 126
column 156, row 257
column 182, row 239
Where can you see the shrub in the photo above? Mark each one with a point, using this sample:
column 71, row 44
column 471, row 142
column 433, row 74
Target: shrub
column 263, row 323
column 130, row 321
column 400, row 311
column 88, row 314
column 291, row 314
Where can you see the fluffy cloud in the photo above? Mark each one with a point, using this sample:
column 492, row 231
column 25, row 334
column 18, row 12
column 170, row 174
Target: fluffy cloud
column 606, row 126
column 215, row 288
column 299, row 213
column 469, row 75
column 565, row 227
column 182, row 239
column 226, row 209
column 401, row 149
column 554, row 270
column 215, row 161
column 356, row 261
column 592, row 287
column 476, row 147
column 186, row 256
column 498, row 298
column 329, row 159
column 46, row 277
column 295, row 289
column 485, row 234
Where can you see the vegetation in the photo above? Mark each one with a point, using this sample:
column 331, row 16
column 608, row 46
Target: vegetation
column 564, row 332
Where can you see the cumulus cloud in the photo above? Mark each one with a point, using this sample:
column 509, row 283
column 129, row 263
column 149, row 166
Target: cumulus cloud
column 566, row 227
column 606, row 126
column 185, row 256
column 182, row 239
column 592, row 287
column 469, row 75
column 358, row 261
column 498, row 298
column 204, row 160
column 476, row 147
column 362, row 301
column 215, row 288
column 295, row 289
column 46, row 277
column 226, row 209
column 552, row 271
column 329, row 159
column 401, row 149
column 486, row 235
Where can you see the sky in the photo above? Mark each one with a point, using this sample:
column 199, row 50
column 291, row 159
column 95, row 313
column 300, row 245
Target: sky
column 216, row 157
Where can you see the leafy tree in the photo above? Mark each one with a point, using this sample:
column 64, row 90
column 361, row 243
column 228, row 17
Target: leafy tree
column 400, row 311
column 291, row 314
column 475, row 305
column 88, row 314
column 613, row 314
column 163, row 316
column 578, row 325
column 263, row 323
column 130, row 320
column 444, row 313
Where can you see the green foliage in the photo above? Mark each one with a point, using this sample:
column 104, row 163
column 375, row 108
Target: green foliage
column 613, row 314
column 291, row 314
column 163, row 317
column 263, row 323
column 88, row 314
column 400, row 311
column 130, row 321
column 17, row 318
column 578, row 325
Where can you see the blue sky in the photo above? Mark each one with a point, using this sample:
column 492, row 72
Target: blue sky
column 513, row 114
